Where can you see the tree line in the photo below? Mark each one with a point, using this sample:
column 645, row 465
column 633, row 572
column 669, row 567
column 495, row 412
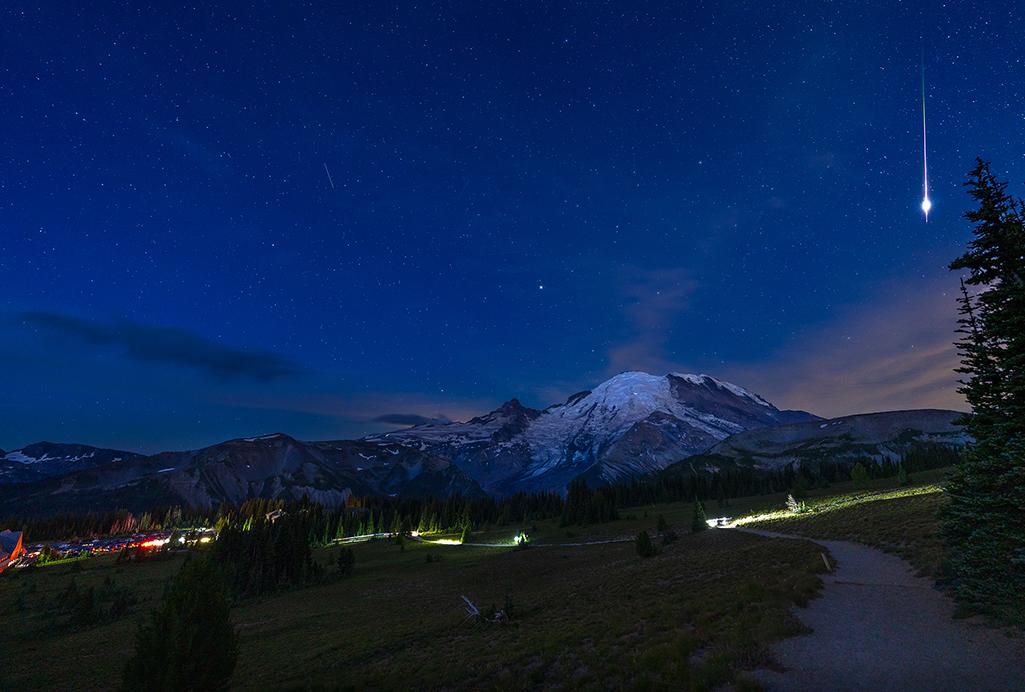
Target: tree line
column 583, row 504
column 360, row 516
column 731, row 481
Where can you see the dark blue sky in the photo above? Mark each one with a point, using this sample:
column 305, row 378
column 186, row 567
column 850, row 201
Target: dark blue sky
column 224, row 222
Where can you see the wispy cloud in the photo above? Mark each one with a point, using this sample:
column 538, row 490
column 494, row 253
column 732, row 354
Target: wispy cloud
column 652, row 300
column 895, row 352
column 172, row 345
column 368, row 412
column 409, row 419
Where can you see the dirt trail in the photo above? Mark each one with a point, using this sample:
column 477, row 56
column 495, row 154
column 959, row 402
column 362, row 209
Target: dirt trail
column 879, row 627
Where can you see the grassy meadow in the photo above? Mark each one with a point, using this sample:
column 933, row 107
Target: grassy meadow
column 693, row 617
column 903, row 521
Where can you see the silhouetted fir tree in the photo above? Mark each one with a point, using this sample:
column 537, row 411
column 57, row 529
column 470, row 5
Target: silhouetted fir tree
column 902, row 475
column 699, row 520
column 586, row 506
column 859, row 474
column 984, row 522
column 578, row 497
column 346, row 561
column 188, row 642
column 83, row 609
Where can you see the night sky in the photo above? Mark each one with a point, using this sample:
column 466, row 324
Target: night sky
column 328, row 219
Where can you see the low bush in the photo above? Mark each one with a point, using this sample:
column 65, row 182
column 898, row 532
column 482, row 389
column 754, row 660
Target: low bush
column 645, row 548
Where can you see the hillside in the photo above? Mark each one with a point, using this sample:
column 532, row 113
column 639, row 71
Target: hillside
column 879, row 436
column 275, row 466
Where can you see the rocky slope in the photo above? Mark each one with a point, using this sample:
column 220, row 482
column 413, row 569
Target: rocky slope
column 630, row 425
column 886, row 435
column 275, row 466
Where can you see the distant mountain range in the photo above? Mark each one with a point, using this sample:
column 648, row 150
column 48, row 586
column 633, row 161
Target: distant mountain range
column 630, row 426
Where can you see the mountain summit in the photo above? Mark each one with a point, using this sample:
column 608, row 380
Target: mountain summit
column 629, row 425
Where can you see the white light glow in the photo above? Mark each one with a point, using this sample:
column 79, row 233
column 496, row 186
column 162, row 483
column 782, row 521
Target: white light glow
column 926, row 204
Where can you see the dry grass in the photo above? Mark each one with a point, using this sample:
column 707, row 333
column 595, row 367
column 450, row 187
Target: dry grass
column 904, row 522
column 586, row 617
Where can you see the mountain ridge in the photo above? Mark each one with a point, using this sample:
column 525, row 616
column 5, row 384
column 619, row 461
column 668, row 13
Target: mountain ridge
column 632, row 425
column 880, row 436
column 556, row 444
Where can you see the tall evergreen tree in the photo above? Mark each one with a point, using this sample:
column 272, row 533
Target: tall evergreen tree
column 859, row 474
column 984, row 522
column 699, row 520
column 188, row 643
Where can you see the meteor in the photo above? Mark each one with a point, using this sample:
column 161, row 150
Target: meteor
column 926, row 204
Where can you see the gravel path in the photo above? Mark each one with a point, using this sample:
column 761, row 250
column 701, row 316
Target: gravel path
column 879, row 627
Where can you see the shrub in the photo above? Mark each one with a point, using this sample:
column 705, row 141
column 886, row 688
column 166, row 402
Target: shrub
column 346, row 561
column 645, row 548
column 795, row 506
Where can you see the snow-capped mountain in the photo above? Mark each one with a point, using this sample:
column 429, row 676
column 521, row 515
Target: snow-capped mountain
column 630, row 425
column 48, row 459
column 626, row 427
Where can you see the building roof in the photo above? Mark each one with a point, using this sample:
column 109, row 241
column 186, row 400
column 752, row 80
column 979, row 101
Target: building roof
column 9, row 542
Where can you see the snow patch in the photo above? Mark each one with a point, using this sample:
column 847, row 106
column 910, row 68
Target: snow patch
column 19, row 457
column 736, row 390
column 261, row 437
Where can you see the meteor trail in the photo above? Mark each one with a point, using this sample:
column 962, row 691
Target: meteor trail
column 333, row 182
column 926, row 204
